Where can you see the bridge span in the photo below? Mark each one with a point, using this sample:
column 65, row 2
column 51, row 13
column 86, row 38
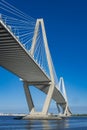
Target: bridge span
column 15, row 58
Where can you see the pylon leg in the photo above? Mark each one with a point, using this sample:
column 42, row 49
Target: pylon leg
column 29, row 98
column 58, row 107
column 67, row 111
column 48, row 99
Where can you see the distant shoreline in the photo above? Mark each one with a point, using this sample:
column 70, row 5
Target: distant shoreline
column 79, row 115
column 22, row 114
column 10, row 114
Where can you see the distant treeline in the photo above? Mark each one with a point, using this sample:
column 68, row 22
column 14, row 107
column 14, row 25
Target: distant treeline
column 79, row 114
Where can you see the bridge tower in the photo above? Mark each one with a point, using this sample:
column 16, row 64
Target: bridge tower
column 65, row 107
column 51, row 85
column 39, row 23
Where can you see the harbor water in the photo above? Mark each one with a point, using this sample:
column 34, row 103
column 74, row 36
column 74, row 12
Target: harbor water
column 71, row 123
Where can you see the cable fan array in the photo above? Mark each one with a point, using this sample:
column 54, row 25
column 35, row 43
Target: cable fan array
column 19, row 23
column 23, row 27
column 41, row 57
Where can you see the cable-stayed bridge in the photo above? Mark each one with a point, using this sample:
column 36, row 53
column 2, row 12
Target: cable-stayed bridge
column 24, row 51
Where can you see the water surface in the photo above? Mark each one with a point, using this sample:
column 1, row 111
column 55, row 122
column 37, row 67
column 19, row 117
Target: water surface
column 71, row 123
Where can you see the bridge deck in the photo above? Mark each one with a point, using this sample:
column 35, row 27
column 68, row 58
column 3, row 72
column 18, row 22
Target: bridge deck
column 16, row 59
column 57, row 96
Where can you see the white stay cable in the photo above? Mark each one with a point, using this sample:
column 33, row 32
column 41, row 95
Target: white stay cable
column 17, row 11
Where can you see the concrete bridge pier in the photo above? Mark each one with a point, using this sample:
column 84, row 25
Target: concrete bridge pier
column 65, row 110
column 30, row 103
column 29, row 98
column 48, row 99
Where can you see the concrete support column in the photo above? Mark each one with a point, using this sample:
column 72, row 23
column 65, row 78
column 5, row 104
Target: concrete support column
column 67, row 112
column 29, row 98
column 58, row 107
column 48, row 99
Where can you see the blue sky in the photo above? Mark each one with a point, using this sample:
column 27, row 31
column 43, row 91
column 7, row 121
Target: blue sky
column 66, row 28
